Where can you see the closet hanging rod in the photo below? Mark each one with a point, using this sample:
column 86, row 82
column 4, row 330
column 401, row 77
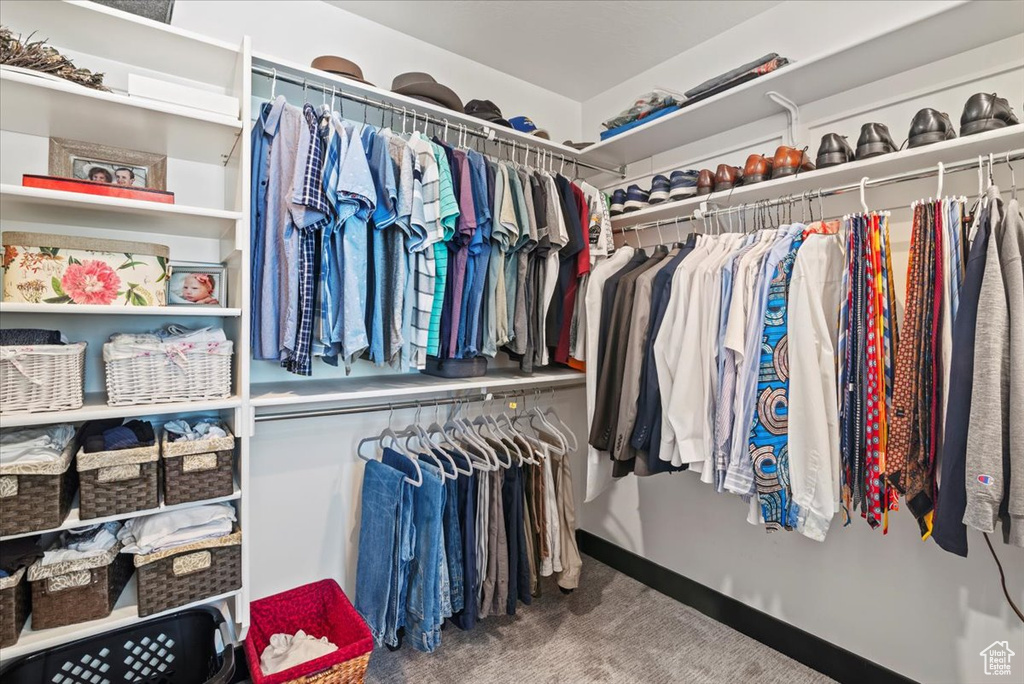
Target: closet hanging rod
column 490, row 134
column 968, row 165
column 395, row 406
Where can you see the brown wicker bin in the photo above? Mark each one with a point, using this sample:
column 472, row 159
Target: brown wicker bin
column 15, row 604
column 37, row 496
column 197, row 470
column 118, row 482
column 176, row 577
column 78, row 591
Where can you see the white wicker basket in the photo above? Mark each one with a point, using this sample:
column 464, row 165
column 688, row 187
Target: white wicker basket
column 41, row 377
column 158, row 373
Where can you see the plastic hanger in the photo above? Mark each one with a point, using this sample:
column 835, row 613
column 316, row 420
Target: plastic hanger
column 473, row 440
column 550, row 411
column 863, row 200
column 427, row 448
column 273, row 86
column 387, row 432
column 436, row 429
column 1013, row 178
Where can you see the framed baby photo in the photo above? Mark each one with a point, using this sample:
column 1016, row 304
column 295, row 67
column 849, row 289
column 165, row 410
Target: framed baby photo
column 197, row 285
column 110, row 165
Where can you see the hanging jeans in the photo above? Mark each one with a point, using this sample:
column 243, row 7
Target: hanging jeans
column 384, row 541
column 423, row 598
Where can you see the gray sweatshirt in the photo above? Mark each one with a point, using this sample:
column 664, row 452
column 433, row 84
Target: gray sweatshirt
column 995, row 447
column 1011, row 254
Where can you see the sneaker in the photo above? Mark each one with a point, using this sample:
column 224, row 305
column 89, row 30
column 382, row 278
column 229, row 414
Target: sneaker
column 618, row 202
column 684, row 184
column 659, row 189
column 636, row 198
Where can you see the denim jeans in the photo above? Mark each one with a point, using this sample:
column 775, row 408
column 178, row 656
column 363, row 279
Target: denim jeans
column 423, row 604
column 381, row 538
column 453, row 542
column 466, row 487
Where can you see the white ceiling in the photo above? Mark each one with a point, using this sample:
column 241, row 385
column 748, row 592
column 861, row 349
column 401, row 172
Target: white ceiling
column 576, row 49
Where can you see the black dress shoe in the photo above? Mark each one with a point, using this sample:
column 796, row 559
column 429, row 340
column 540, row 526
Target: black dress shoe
column 986, row 112
column 874, row 140
column 930, row 126
column 834, row 150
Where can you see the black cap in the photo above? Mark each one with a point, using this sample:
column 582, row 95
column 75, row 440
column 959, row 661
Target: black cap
column 486, row 110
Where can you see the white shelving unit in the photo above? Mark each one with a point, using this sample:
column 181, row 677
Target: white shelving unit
column 847, row 65
column 74, row 518
column 283, row 394
column 905, row 161
column 207, row 169
column 100, row 310
column 126, row 612
column 40, row 205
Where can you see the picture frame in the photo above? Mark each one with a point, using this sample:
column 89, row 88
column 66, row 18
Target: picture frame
column 190, row 284
column 105, row 164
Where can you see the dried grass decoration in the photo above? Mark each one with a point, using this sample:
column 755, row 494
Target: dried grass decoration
column 38, row 56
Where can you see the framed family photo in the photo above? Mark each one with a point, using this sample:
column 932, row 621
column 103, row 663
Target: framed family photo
column 196, row 285
column 110, row 165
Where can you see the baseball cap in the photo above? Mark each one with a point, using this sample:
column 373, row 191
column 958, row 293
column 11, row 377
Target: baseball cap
column 524, row 124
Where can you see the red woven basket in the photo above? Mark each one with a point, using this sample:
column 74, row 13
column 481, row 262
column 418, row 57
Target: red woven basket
column 321, row 609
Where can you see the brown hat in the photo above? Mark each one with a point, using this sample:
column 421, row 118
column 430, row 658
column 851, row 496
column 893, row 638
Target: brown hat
column 423, row 86
column 341, row 66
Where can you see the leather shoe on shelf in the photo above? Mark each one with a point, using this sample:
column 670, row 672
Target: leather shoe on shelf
column 789, row 160
column 930, row 126
column 727, row 177
column 986, row 112
column 874, row 140
column 758, row 168
column 705, row 182
column 834, row 150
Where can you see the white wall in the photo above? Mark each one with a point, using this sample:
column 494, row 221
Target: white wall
column 903, row 603
column 300, row 30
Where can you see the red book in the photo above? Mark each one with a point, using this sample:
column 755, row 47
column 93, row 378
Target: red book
column 94, row 188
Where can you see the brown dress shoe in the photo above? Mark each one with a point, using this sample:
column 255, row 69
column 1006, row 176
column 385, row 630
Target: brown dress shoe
column 705, row 182
column 758, row 168
column 727, row 177
column 789, row 160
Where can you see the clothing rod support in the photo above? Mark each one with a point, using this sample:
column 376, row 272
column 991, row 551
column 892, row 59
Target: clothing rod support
column 699, row 215
column 484, row 395
column 487, row 133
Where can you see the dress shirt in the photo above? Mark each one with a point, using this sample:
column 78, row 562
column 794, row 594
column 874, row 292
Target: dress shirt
column 668, row 344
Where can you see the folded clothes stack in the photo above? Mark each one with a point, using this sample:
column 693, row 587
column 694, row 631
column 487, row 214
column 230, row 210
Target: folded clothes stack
column 734, row 77
column 180, row 430
column 114, row 434
column 162, row 531
column 85, row 542
column 43, row 444
column 170, row 334
column 18, row 337
column 646, row 107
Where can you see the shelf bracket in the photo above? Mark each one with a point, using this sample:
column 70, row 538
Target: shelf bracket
column 792, row 115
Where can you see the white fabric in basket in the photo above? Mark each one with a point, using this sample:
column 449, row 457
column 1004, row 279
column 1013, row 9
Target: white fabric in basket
column 152, row 533
column 44, row 444
column 285, row 651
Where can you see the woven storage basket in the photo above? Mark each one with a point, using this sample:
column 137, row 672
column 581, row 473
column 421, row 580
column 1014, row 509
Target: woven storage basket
column 157, row 373
column 321, row 609
column 178, row 576
column 78, row 591
column 15, row 604
column 37, row 496
column 197, row 470
column 41, row 377
column 118, row 482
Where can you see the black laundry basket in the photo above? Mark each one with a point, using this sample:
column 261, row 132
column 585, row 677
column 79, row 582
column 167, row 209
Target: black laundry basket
column 181, row 648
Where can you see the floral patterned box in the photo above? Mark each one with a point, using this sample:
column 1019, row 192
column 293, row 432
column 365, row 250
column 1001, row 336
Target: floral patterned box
column 61, row 269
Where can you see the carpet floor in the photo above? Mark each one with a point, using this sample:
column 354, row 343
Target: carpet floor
column 612, row 629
